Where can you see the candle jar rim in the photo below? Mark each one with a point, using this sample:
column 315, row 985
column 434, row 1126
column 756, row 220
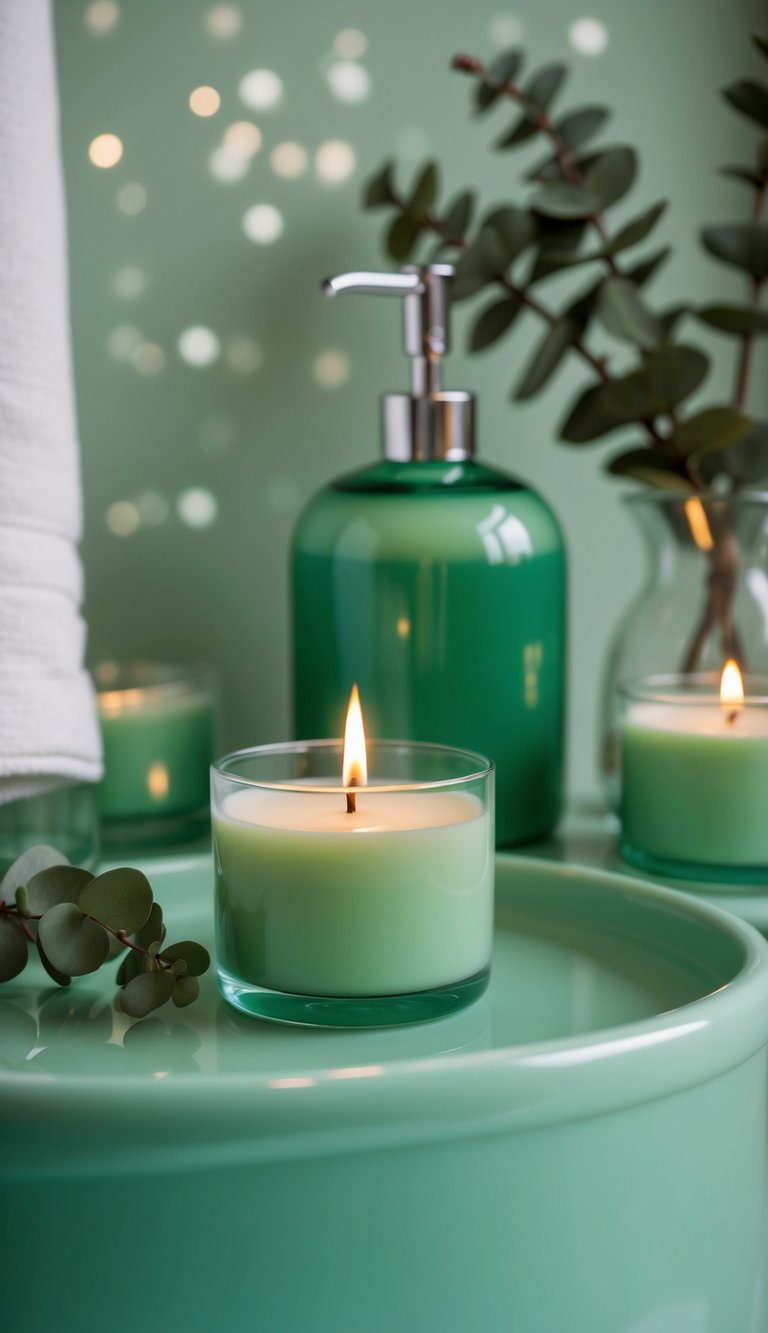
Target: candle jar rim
column 677, row 499
column 477, row 768
column 138, row 682
column 692, row 689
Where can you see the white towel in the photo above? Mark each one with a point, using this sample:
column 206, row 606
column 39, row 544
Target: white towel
column 48, row 723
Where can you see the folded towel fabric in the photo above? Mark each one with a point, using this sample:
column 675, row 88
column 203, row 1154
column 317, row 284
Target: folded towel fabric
column 48, row 723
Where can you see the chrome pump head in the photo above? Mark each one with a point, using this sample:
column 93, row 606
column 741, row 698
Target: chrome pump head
column 428, row 423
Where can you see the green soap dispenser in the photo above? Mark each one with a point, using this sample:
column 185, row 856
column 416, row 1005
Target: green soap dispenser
column 437, row 583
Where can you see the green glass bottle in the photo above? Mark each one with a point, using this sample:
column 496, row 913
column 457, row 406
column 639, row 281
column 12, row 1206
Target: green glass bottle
column 439, row 585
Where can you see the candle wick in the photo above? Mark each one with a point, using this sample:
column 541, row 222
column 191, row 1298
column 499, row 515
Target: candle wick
column 731, row 718
column 351, row 803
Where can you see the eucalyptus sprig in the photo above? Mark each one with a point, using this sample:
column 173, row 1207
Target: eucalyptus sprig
column 565, row 224
column 76, row 921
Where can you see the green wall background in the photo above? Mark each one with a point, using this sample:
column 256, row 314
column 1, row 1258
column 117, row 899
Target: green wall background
column 260, row 439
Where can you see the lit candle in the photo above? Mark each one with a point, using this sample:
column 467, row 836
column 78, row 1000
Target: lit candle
column 695, row 777
column 376, row 889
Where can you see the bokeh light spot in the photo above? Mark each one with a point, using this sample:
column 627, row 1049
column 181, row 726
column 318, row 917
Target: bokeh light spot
column 243, row 137
column 131, row 199
column 105, row 150
column 348, row 82
column 289, row 160
column 330, row 368
column 197, row 507
column 149, row 359
column 261, row 89
column 204, row 101
column 199, row 346
column 335, row 161
column 350, row 43
column 227, row 165
column 102, row 16
column 263, row 223
column 244, row 355
column 123, row 341
column 123, row 518
column 588, row 36
column 153, row 508
column 224, row 21
column 129, row 282
column 505, row 29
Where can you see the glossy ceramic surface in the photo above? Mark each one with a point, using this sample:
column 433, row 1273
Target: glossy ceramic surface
column 583, row 1149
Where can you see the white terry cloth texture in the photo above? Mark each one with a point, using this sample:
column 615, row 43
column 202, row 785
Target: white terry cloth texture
column 49, row 728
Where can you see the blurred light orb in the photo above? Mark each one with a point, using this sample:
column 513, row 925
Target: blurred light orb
column 204, row 101
column 350, row 43
column 102, row 16
column 216, row 435
column 105, row 150
column 227, row 165
column 281, row 495
column 243, row 137
column 261, row 89
column 153, row 508
column 199, row 346
column 149, row 359
column 224, row 21
column 588, row 36
column 330, row 369
column 263, row 224
column 244, row 355
column 505, row 29
column 131, row 199
column 335, row 161
column 129, row 282
column 348, row 82
column 123, row 341
column 197, row 507
column 123, row 518
column 289, row 160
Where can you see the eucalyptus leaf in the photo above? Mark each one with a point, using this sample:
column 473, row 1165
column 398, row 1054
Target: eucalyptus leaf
column 647, row 465
column 647, row 268
column 559, row 243
column 589, row 418
column 710, row 431
column 424, row 192
column 744, row 245
column 543, row 88
column 636, row 231
column 515, row 228
column 504, row 69
column 25, row 866
column 522, row 130
column 60, row 978
column 14, row 949
column 478, row 265
column 153, row 930
column 379, row 190
column 611, row 175
column 121, row 898
column 734, row 319
column 747, row 461
column 670, row 374
column 185, row 991
column 494, row 322
column 760, row 44
column 56, row 884
column 401, row 238
column 622, row 312
column 563, row 200
column 146, row 992
column 458, row 215
column 73, row 943
column 579, row 126
column 546, row 358
column 744, row 174
column 750, row 98
column 131, row 966
column 197, row 958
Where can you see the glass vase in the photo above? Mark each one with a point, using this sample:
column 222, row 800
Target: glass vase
column 704, row 600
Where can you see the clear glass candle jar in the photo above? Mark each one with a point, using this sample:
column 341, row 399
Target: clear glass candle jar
column 158, row 723
column 364, row 917
column 695, row 779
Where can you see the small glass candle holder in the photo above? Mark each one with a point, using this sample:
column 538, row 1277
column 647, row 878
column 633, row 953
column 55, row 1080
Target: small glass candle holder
column 64, row 816
column 695, row 777
column 341, row 906
column 158, row 723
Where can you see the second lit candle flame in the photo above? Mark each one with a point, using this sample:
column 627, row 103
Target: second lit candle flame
column 731, row 687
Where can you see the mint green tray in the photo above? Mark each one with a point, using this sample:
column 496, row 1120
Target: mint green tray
column 580, row 1152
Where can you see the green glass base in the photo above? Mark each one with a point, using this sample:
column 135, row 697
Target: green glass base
column 351, row 1011
column 699, row 871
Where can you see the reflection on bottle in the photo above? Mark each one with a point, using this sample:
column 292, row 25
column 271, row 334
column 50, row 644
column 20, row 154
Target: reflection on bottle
column 505, row 537
column 533, row 654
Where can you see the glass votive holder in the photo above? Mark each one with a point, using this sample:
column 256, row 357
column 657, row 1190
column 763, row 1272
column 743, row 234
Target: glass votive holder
column 63, row 815
column 158, row 724
column 695, row 779
column 369, row 917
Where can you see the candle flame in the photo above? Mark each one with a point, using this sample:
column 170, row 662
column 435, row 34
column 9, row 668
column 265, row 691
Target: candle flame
column 699, row 523
column 355, row 763
column 731, row 685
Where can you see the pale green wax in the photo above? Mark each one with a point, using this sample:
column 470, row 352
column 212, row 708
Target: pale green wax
column 157, row 757
column 313, row 901
column 695, row 786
